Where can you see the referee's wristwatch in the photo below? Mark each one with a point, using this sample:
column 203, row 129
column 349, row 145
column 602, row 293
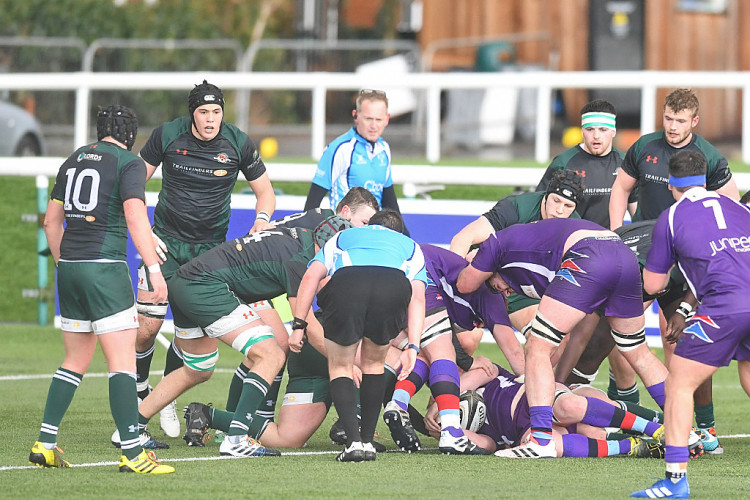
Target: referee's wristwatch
column 299, row 324
column 415, row 347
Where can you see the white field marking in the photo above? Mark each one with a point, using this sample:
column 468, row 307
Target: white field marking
column 11, row 378
column 193, row 459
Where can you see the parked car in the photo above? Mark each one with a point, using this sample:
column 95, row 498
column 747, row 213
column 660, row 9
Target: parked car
column 20, row 133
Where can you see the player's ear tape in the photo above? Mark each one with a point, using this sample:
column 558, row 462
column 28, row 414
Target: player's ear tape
column 542, row 328
column 629, row 342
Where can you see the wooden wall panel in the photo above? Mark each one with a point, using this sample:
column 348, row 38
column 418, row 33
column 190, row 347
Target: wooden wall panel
column 673, row 41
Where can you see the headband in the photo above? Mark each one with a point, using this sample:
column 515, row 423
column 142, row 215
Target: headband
column 690, row 180
column 598, row 119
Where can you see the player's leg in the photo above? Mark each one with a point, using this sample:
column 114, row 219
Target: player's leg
column 685, row 375
column 553, row 321
column 201, row 354
column 371, row 390
column 270, row 317
column 340, row 363
column 79, row 350
column 256, row 341
column 630, row 338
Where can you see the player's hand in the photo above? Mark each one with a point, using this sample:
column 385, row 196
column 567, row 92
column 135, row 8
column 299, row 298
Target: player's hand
column 261, row 225
column 161, row 247
column 296, row 339
column 675, row 326
column 432, row 420
column 159, row 286
column 482, row 363
column 408, row 360
column 356, row 375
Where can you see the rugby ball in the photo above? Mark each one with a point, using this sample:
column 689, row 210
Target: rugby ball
column 472, row 410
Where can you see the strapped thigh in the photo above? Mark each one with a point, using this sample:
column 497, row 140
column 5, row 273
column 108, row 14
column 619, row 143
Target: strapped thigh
column 542, row 328
column 628, row 342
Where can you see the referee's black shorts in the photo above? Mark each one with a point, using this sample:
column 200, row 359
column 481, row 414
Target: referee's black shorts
column 364, row 301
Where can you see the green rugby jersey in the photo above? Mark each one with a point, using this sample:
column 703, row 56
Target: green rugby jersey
column 598, row 173
column 518, row 209
column 648, row 161
column 258, row 266
column 198, row 178
column 92, row 185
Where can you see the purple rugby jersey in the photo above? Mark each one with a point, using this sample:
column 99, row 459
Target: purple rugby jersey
column 528, row 256
column 708, row 236
column 464, row 309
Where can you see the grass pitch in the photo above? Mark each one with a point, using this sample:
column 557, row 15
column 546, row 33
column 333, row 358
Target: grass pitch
column 30, row 355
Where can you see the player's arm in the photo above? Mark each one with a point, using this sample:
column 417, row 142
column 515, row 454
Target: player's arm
column 265, row 202
column 53, row 227
column 150, row 169
column 654, row 283
column 508, row 343
column 678, row 319
column 473, row 234
column 470, row 278
column 315, row 196
column 618, row 200
column 415, row 325
column 730, row 189
column 313, row 331
column 303, row 303
column 140, row 230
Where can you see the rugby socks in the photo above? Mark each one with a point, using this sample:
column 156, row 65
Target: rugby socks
column 444, row 384
column 541, row 424
column 235, row 387
column 645, row 413
column 61, row 391
column 657, row 393
column 344, row 399
column 174, row 359
column 123, row 402
column 602, row 414
column 267, row 410
column 142, row 368
column 676, row 458
column 628, row 394
column 407, row 388
column 254, row 390
column 704, row 416
column 370, row 396
column 391, row 379
column 580, row 446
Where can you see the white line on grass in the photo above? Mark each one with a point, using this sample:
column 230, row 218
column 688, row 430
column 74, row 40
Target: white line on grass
column 189, row 459
column 12, row 378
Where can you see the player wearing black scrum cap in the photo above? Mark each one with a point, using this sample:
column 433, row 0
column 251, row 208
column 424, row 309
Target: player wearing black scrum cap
column 99, row 194
column 201, row 157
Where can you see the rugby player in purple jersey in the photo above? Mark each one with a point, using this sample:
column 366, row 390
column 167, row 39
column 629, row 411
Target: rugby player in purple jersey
column 445, row 307
column 574, row 267
column 580, row 419
column 706, row 235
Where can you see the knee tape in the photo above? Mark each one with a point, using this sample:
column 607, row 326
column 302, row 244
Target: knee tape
column 542, row 328
column 558, row 393
column 250, row 337
column 201, row 362
column 156, row 311
column 590, row 377
column 629, row 342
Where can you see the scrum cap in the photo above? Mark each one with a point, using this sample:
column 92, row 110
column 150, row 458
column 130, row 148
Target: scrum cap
column 118, row 122
column 328, row 228
column 568, row 184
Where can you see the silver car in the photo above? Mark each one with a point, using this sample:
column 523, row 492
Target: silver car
column 20, row 133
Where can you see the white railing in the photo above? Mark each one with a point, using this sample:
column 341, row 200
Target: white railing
column 430, row 83
column 48, row 166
